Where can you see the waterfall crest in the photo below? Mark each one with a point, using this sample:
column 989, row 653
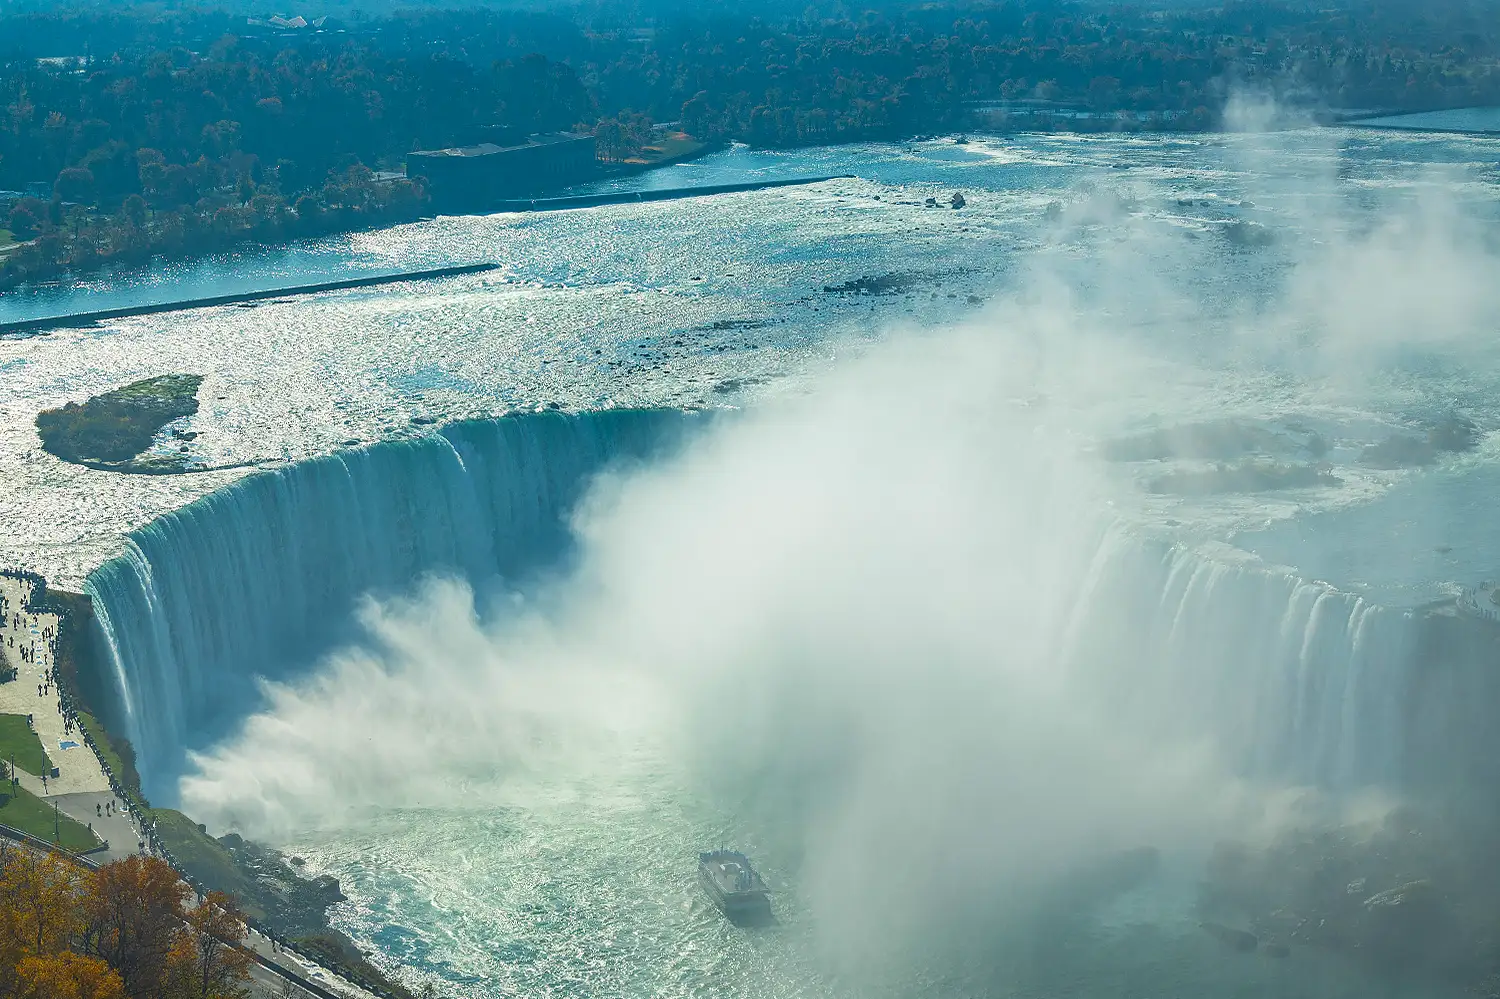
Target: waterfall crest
column 257, row 578
column 1293, row 680
column 1290, row 680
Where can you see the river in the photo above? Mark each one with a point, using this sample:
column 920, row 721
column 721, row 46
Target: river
column 884, row 618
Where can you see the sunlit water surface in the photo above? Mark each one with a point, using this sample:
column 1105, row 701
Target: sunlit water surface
column 583, row 884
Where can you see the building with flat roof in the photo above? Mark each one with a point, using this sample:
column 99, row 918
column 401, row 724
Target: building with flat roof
column 476, row 176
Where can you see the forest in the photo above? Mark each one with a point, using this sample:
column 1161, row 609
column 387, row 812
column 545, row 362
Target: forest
column 129, row 132
column 128, row 930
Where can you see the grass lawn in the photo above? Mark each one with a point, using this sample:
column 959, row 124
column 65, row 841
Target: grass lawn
column 205, row 858
column 16, row 737
column 6, row 239
column 669, row 150
column 107, row 752
column 25, row 811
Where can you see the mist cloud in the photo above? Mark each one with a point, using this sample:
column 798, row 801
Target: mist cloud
column 850, row 607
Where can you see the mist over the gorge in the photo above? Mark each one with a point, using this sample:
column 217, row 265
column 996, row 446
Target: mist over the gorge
column 864, row 609
column 750, row 500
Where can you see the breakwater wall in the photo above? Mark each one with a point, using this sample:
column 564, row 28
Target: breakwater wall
column 665, row 194
column 43, row 323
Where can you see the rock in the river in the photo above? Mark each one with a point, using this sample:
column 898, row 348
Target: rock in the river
column 1398, row 451
column 957, row 201
column 1246, row 477
column 1241, row 940
column 1452, row 433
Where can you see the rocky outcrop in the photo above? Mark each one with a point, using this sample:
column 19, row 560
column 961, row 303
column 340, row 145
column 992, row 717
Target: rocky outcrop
column 1411, row 896
column 1244, row 477
column 1240, row 940
column 1451, row 434
column 1217, row 440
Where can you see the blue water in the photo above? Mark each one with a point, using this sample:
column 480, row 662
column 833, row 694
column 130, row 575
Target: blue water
column 1479, row 120
column 1420, row 542
column 1033, row 167
column 581, row 884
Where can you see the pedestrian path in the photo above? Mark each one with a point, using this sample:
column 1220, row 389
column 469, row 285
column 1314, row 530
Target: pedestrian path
column 81, row 790
column 28, row 640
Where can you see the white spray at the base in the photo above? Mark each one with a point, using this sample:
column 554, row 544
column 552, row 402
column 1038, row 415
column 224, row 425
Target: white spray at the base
column 863, row 603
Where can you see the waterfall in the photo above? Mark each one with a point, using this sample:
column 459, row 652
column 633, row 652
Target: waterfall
column 1292, row 680
column 1288, row 679
column 256, row 579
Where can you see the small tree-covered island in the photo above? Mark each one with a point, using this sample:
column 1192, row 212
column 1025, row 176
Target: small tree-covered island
column 114, row 429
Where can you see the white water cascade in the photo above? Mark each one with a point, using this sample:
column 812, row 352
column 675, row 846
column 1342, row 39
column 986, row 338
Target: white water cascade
column 1288, row 680
column 257, row 579
column 1293, row 680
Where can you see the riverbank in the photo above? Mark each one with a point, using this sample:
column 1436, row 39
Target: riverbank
column 97, row 770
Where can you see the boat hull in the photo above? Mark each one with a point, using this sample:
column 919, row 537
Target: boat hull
column 733, row 904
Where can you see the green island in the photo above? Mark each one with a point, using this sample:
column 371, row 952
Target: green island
column 112, row 430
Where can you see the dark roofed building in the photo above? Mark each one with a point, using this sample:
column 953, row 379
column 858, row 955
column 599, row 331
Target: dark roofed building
column 477, row 176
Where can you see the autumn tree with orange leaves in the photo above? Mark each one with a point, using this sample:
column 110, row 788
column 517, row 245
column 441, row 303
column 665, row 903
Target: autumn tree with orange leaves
column 124, row 931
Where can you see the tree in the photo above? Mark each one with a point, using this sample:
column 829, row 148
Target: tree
column 205, row 961
column 74, row 184
column 66, row 975
column 133, row 911
column 44, row 890
column 24, row 221
column 133, row 211
column 151, row 170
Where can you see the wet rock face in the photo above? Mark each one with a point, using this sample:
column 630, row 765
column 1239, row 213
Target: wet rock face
column 1239, row 940
column 1218, row 440
column 1451, row 434
column 1413, row 896
column 1243, row 477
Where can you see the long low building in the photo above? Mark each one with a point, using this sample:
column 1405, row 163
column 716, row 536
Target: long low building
column 474, row 176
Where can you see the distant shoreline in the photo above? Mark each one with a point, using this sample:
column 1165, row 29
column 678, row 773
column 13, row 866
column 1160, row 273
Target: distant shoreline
column 41, row 324
column 662, row 194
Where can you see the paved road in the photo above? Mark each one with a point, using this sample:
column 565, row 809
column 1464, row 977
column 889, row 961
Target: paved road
column 118, row 830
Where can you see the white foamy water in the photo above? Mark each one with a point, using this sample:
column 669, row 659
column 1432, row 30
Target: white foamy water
column 895, row 627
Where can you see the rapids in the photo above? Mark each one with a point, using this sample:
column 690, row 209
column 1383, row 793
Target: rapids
column 914, row 646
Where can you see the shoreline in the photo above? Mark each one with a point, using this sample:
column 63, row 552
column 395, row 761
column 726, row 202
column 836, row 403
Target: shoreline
column 663, row 194
column 43, row 324
column 134, row 825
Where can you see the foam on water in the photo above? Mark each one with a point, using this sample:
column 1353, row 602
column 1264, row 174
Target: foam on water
column 252, row 581
column 502, row 868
